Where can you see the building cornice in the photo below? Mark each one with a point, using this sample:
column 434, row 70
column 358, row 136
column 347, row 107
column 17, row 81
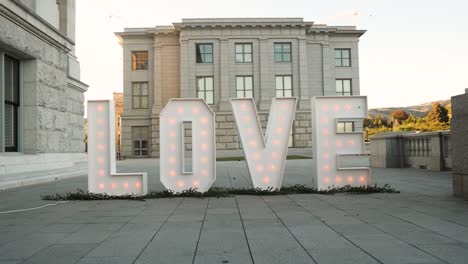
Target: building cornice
column 77, row 85
column 221, row 23
column 22, row 16
column 242, row 23
column 336, row 30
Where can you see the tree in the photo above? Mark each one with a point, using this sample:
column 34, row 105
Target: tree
column 438, row 114
column 398, row 117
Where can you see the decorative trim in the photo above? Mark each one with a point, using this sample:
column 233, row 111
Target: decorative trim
column 77, row 85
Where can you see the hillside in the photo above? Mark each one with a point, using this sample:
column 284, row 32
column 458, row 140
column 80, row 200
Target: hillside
column 416, row 110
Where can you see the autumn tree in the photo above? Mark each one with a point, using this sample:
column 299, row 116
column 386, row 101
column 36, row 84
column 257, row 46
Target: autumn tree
column 438, row 114
column 398, row 117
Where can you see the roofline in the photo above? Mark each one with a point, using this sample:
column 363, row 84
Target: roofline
column 293, row 22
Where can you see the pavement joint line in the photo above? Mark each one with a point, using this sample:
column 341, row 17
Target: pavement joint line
column 229, row 176
column 157, row 231
column 425, row 213
column 33, row 208
column 308, row 211
column 383, row 231
column 120, row 228
column 243, row 228
column 425, row 228
column 201, row 230
column 289, row 230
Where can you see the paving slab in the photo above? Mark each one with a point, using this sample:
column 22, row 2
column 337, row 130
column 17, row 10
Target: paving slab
column 423, row 224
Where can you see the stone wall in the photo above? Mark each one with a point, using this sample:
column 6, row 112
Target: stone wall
column 53, row 112
column 51, row 122
column 459, row 127
column 227, row 138
column 428, row 150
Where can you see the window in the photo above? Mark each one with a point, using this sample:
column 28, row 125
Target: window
column 343, row 57
column 205, row 89
column 244, row 86
column 140, row 95
column 244, row 52
column 204, row 53
column 11, row 103
column 140, row 137
column 282, row 52
column 139, row 60
column 343, row 87
column 345, row 127
column 284, row 86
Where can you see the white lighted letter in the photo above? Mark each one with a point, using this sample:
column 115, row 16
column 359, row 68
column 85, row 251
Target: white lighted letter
column 338, row 141
column 173, row 173
column 265, row 156
column 102, row 176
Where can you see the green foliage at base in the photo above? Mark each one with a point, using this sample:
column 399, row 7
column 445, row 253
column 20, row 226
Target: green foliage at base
column 219, row 192
column 290, row 157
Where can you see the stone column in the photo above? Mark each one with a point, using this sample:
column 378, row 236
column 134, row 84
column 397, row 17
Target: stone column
column 267, row 82
column 434, row 150
column 328, row 77
column 67, row 18
column 2, row 105
column 224, row 104
column 185, row 90
column 157, row 80
column 305, row 89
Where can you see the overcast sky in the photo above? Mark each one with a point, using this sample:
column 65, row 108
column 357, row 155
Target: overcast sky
column 414, row 51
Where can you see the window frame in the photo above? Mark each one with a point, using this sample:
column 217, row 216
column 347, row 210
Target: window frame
column 341, row 59
column 342, row 92
column 243, row 53
column 282, row 52
column 244, row 90
column 282, row 83
column 135, row 62
column 140, row 95
column 357, row 125
column 345, row 122
column 140, row 140
column 204, row 90
column 202, row 53
column 15, row 103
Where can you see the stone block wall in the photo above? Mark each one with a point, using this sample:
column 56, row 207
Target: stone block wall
column 227, row 138
column 52, row 102
column 459, row 128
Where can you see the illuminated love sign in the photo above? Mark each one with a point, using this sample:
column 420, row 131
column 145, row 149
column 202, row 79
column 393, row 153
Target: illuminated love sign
column 265, row 156
column 338, row 141
column 177, row 114
column 102, row 176
column 338, row 144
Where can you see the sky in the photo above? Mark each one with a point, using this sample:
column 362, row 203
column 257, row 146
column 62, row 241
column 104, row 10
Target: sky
column 413, row 52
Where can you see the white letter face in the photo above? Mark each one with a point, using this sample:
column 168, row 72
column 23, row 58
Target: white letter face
column 102, row 176
column 338, row 142
column 265, row 156
column 172, row 158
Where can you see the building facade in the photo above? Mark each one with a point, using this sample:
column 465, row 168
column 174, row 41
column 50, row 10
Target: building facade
column 118, row 106
column 219, row 59
column 41, row 95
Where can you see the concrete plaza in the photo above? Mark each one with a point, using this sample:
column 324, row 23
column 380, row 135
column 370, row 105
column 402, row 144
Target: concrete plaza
column 422, row 224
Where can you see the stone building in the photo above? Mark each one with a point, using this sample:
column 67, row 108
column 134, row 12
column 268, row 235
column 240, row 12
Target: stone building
column 118, row 106
column 41, row 95
column 218, row 59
